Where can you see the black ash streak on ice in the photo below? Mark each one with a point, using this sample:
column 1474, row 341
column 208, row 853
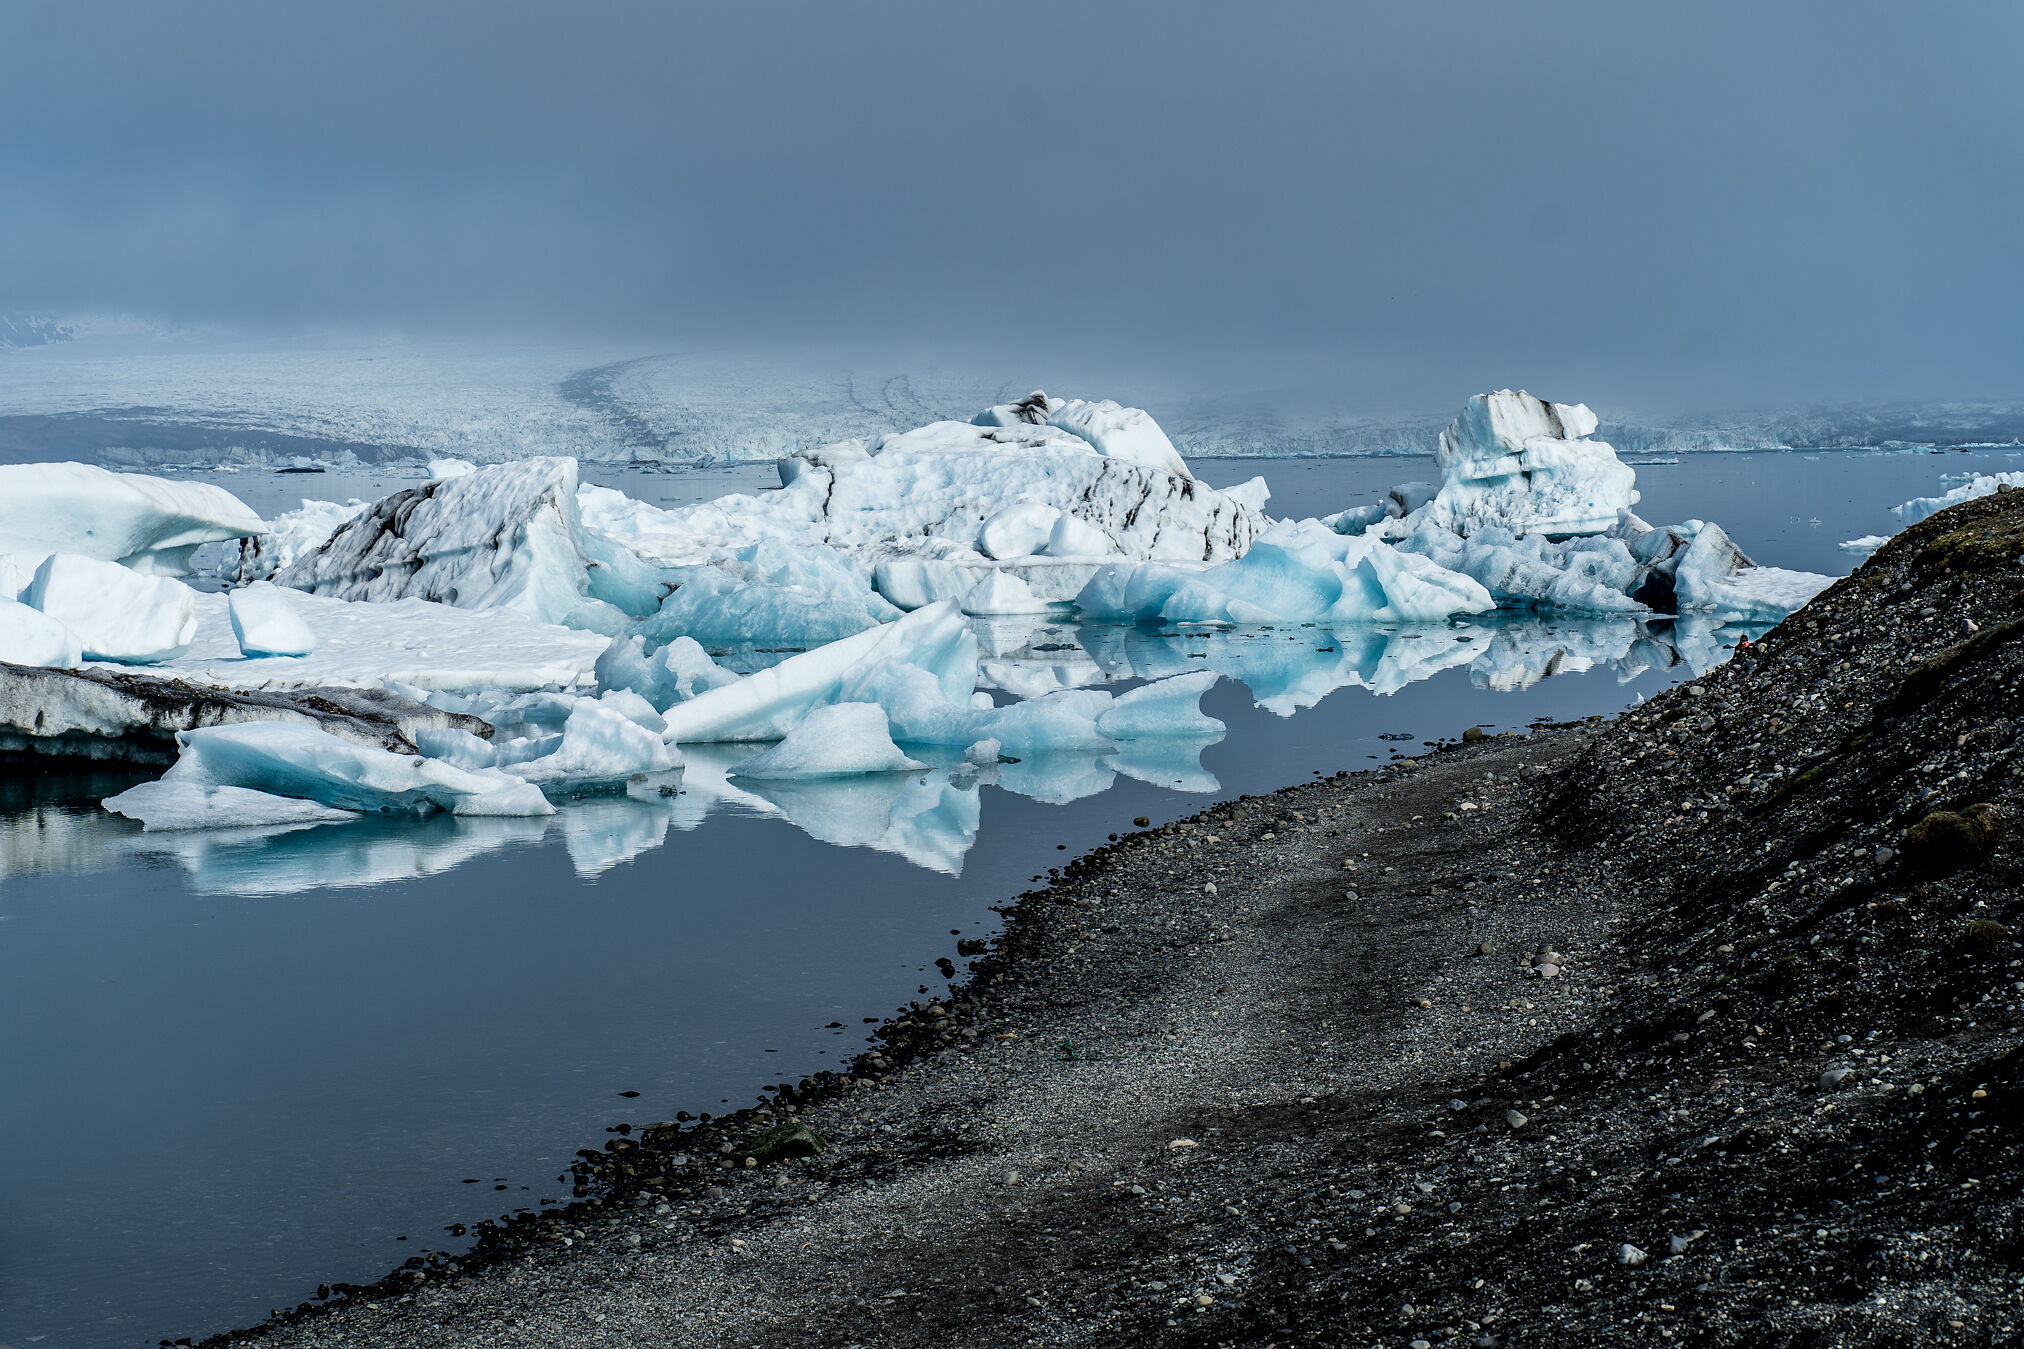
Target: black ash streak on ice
column 1702, row 1021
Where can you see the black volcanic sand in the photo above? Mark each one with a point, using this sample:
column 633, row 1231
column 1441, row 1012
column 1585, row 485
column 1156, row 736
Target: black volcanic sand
column 1291, row 1072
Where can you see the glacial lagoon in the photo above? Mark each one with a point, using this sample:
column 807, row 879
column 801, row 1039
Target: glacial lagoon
column 244, row 1064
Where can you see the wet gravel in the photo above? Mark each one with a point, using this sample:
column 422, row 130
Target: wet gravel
column 1698, row 1026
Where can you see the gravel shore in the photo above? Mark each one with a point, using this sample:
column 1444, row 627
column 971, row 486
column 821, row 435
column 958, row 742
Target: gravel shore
column 1698, row 1026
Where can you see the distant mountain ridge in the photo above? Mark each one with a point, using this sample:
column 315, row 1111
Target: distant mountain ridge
column 33, row 330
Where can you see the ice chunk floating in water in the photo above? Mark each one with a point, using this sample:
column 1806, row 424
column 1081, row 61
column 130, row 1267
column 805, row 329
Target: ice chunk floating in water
column 148, row 524
column 1527, row 465
column 302, row 763
column 841, row 740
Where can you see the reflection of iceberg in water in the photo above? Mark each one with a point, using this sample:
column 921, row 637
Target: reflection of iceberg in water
column 600, row 832
column 1173, row 764
column 931, row 818
column 289, row 860
column 1288, row 668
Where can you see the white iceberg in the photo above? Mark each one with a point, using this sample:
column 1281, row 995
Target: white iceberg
column 1868, row 543
column 674, row 674
column 1019, row 530
column 1073, row 536
column 1527, row 465
column 191, row 800
column 598, row 744
column 115, row 613
column 264, row 622
column 31, row 637
column 841, row 740
column 769, row 703
column 1592, row 574
column 769, row 592
column 147, row 524
column 1167, row 709
column 1112, row 431
column 302, row 763
column 927, row 494
column 1980, row 485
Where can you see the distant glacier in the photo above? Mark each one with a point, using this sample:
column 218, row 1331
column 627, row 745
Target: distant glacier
column 139, row 396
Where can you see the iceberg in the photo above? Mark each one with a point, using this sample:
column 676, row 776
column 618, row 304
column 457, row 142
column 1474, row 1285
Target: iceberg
column 1019, row 530
column 115, row 613
column 31, row 637
column 1584, row 575
column 769, row 592
column 265, row 623
column 192, row 800
column 119, row 714
column 769, row 703
column 1527, row 465
column 1868, row 543
column 599, row 744
column 308, row 764
column 1299, row 572
column 1980, row 485
column 674, row 674
column 292, row 535
column 928, row 494
column 1169, row 708
column 147, row 524
column 1000, row 592
column 504, row 537
column 840, row 740
column 1112, row 431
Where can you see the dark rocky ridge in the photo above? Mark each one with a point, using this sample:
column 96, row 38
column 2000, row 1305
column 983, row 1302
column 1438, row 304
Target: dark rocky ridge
column 1698, row 1026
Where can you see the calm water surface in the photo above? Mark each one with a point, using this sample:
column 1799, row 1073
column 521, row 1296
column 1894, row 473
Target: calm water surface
column 238, row 1066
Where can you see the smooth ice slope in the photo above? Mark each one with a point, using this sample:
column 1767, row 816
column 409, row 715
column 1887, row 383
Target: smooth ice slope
column 264, row 622
column 144, row 523
column 841, row 740
column 768, row 704
column 31, row 637
column 115, row 613
column 1170, row 708
column 1515, row 461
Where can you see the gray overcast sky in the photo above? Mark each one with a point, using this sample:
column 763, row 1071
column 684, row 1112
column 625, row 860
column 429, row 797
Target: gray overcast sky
column 1690, row 203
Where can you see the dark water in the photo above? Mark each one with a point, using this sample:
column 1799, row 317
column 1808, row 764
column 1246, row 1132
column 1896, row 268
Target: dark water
column 236, row 1067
